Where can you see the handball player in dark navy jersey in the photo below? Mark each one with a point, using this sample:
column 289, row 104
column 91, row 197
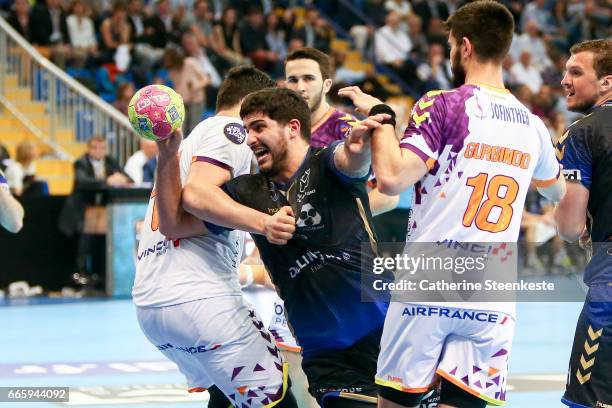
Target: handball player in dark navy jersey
column 309, row 214
column 585, row 151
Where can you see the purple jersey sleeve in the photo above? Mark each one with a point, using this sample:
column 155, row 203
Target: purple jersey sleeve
column 334, row 126
column 437, row 119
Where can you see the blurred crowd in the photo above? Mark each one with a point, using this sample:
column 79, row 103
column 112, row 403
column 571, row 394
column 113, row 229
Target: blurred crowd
column 115, row 47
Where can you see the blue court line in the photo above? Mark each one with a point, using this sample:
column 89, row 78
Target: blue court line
column 102, row 331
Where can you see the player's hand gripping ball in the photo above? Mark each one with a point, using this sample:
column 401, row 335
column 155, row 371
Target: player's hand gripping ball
column 156, row 111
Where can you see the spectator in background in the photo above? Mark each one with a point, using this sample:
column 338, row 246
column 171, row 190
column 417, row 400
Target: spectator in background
column 544, row 104
column 82, row 35
column 226, row 38
column 93, row 172
column 391, row 43
column 324, row 34
column 553, row 74
column 524, row 95
column 276, row 38
column 420, row 44
column 253, row 41
column 392, row 47
column 19, row 18
column 305, row 28
column 401, row 7
column 435, row 31
column 136, row 18
column 193, row 50
column 431, row 9
column 559, row 126
column 375, row 11
column 134, row 166
column 161, row 27
column 11, row 211
column 531, row 41
column 537, row 11
column 294, row 44
column 47, row 28
column 125, row 91
column 343, row 74
column 200, row 22
column 115, row 32
column 145, row 56
column 20, row 173
column 516, row 7
column 569, row 18
column 524, row 73
column 436, row 72
column 599, row 15
column 188, row 80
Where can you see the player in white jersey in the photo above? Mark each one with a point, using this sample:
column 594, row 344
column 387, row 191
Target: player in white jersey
column 11, row 211
column 471, row 153
column 187, row 296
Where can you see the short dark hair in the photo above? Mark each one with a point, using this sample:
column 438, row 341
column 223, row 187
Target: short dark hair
column 240, row 82
column 280, row 105
column 325, row 65
column 602, row 55
column 488, row 24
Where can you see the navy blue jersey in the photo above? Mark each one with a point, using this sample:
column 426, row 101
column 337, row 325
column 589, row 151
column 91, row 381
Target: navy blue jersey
column 585, row 151
column 319, row 272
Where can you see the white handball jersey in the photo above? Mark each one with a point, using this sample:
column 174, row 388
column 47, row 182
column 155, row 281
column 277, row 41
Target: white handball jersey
column 483, row 148
column 173, row 272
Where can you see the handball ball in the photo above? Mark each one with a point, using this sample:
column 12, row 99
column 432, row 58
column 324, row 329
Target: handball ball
column 156, row 111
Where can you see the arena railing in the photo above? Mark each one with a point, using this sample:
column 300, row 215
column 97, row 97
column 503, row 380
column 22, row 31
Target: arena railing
column 72, row 113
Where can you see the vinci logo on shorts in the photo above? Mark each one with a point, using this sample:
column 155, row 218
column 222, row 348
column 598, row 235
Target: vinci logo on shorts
column 462, row 314
column 189, row 350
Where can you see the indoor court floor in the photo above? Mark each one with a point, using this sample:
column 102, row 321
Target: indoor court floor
column 95, row 347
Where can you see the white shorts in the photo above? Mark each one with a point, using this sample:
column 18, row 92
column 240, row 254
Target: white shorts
column 219, row 341
column 280, row 328
column 469, row 348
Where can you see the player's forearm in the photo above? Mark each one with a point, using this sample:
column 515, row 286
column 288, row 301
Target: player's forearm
column 554, row 192
column 389, row 162
column 174, row 222
column 211, row 204
column 570, row 213
column 381, row 203
column 354, row 165
column 569, row 226
column 11, row 212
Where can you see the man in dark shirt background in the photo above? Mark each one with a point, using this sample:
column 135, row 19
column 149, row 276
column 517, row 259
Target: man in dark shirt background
column 585, row 151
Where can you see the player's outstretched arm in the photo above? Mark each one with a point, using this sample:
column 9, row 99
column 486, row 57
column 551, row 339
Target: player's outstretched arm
column 570, row 213
column 353, row 158
column 174, row 222
column 11, row 211
column 205, row 199
column 396, row 169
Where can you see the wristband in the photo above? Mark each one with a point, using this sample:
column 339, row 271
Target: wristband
column 383, row 108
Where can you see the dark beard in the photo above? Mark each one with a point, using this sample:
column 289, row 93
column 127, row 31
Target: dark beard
column 458, row 72
column 317, row 101
column 584, row 107
column 278, row 160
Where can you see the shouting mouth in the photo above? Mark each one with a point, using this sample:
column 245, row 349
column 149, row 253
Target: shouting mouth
column 261, row 153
